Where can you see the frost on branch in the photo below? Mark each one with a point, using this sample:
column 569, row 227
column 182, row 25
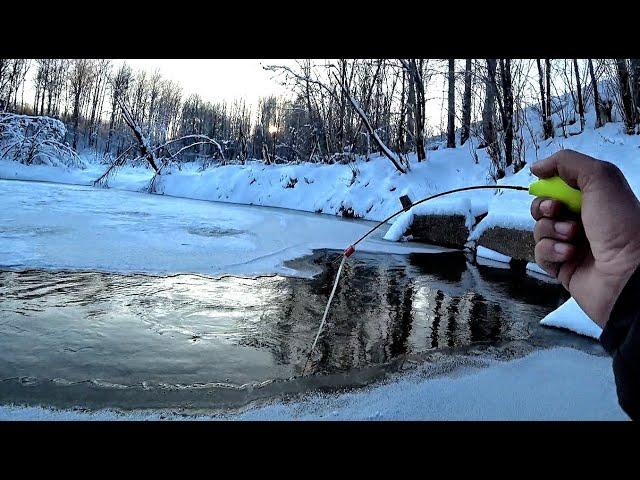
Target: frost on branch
column 35, row 141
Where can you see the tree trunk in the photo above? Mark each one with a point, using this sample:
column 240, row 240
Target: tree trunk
column 451, row 105
column 507, row 114
column 411, row 105
column 45, row 86
column 579, row 91
column 635, row 82
column 488, row 111
column 465, row 132
column 597, row 104
column 107, row 148
column 547, row 124
column 416, row 102
column 400, row 136
column 383, row 148
column 547, row 63
column 76, row 119
column 343, row 106
column 625, row 95
column 143, row 143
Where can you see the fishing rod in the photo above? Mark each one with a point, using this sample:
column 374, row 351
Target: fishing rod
column 553, row 187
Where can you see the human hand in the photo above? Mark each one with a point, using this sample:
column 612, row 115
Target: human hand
column 593, row 254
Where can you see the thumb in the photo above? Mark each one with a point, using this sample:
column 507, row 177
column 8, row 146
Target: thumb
column 573, row 167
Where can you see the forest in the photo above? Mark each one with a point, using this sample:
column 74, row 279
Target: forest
column 336, row 110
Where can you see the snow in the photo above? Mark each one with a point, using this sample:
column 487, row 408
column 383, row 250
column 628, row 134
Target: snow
column 571, row 317
column 492, row 263
column 373, row 193
column 557, row 384
column 554, row 384
column 534, row 267
column 489, row 254
column 534, row 270
column 509, row 208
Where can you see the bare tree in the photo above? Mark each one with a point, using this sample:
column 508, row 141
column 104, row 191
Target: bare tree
column 488, row 111
column 506, row 109
column 579, row 93
column 451, row 105
column 603, row 111
column 331, row 93
column 145, row 148
column 547, row 123
column 416, row 103
column 626, row 99
column 635, row 82
column 101, row 72
column 12, row 77
column 466, row 103
column 397, row 162
column 119, row 85
column 80, row 77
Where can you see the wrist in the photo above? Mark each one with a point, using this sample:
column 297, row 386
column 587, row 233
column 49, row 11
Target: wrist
column 619, row 282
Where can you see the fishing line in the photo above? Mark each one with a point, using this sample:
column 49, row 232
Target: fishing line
column 351, row 248
column 326, row 309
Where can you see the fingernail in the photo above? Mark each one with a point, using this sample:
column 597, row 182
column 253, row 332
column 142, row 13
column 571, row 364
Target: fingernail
column 546, row 206
column 563, row 228
column 561, row 248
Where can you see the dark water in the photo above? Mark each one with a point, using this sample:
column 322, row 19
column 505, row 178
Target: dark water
column 193, row 342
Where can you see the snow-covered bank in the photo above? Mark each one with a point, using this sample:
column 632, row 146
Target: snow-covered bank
column 555, row 384
column 368, row 190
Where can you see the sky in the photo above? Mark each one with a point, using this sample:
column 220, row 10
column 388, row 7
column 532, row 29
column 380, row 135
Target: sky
column 217, row 80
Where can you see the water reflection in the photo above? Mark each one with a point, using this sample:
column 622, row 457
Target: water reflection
column 188, row 331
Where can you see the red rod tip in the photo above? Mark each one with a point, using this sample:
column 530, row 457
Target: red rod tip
column 349, row 251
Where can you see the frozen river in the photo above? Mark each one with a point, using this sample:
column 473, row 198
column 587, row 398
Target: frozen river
column 78, row 227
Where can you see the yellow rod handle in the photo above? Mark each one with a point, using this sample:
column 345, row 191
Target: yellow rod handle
column 557, row 189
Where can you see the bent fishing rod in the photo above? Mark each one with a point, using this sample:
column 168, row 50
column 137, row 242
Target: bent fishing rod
column 553, row 187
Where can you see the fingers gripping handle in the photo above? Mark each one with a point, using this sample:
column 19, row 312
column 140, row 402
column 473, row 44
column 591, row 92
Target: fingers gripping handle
column 557, row 189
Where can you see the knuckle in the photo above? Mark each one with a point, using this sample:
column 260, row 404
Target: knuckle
column 567, row 152
column 607, row 169
column 540, row 251
column 541, row 229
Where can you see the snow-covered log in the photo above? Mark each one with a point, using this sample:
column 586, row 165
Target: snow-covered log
column 145, row 147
